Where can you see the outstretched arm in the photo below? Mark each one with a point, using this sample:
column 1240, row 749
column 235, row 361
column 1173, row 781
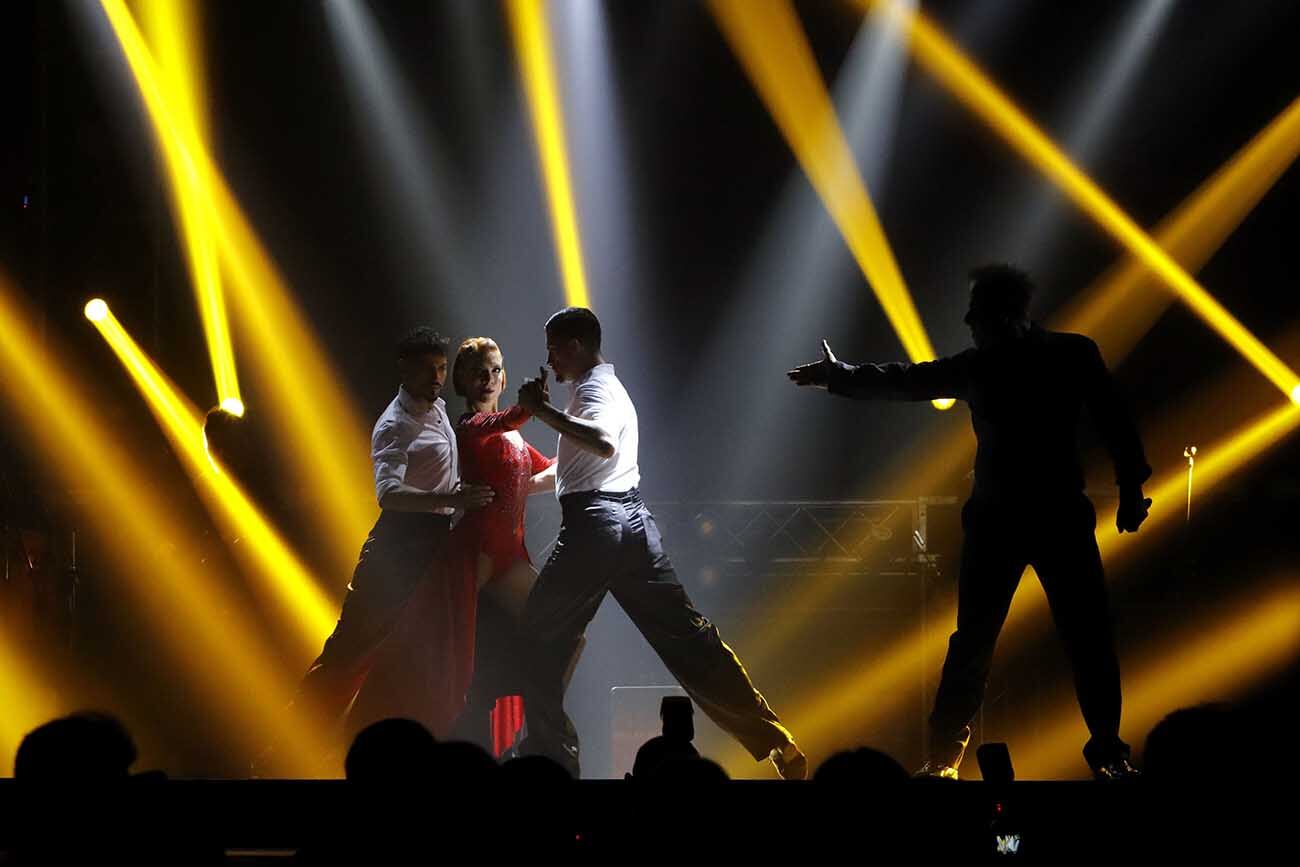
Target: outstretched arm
column 484, row 424
column 927, row 380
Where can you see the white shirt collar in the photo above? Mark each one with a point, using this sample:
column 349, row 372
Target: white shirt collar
column 415, row 405
column 604, row 368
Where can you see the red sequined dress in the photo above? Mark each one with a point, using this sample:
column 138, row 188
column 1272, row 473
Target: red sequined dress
column 493, row 453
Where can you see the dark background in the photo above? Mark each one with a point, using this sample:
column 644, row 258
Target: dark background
column 710, row 261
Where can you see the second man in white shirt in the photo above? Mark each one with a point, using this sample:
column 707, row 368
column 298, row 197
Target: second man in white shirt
column 609, row 542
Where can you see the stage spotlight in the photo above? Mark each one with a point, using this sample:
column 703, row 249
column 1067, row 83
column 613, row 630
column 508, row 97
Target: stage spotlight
column 96, row 309
column 234, row 406
column 303, row 609
column 175, row 105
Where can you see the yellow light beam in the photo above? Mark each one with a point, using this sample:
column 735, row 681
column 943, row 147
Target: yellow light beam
column 297, row 599
column 172, row 28
column 176, row 42
column 1113, row 310
column 770, row 43
column 1214, row 662
column 28, row 697
column 197, row 618
column 328, row 449
column 537, row 68
column 1117, row 310
column 967, row 83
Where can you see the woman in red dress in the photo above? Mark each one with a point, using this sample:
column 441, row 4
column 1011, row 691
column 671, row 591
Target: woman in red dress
column 425, row 668
column 493, row 453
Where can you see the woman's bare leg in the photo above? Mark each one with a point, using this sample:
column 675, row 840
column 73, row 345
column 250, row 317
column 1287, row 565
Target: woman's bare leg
column 510, row 589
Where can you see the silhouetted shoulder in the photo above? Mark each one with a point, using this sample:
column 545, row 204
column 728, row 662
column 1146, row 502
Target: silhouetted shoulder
column 1076, row 346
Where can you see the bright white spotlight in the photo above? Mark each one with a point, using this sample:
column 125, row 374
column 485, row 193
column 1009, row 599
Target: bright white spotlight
column 234, row 406
column 96, row 309
column 406, row 154
column 1295, row 394
column 1093, row 111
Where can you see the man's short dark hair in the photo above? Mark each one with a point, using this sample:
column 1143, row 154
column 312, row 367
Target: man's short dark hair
column 422, row 341
column 576, row 323
column 1000, row 290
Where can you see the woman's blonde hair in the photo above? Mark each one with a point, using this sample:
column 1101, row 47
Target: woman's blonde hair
column 471, row 349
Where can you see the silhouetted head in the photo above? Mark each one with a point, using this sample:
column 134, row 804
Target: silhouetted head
column 458, row 763
column 658, row 750
column 422, row 363
column 572, row 343
column 999, row 304
column 83, row 747
column 861, row 767
column 678, row 715
column 391, row 750
column 689, row 771
column 534, row 771
column 1195, row 745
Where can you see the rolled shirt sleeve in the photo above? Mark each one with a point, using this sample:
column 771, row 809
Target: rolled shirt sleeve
column 388, row 450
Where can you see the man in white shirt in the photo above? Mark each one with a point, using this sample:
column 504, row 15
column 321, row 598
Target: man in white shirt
column 417, row 475
column 609, row 542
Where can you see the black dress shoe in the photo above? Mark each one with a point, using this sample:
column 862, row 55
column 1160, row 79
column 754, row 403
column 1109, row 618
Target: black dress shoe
column 1119, row 769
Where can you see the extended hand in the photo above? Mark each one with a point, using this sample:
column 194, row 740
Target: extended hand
column 534, row 394
column 816, row 374
column 1133, row 510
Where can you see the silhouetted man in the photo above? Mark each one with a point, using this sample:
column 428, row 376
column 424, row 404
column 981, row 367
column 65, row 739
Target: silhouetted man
column 1025, row 387
column 609, row 543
